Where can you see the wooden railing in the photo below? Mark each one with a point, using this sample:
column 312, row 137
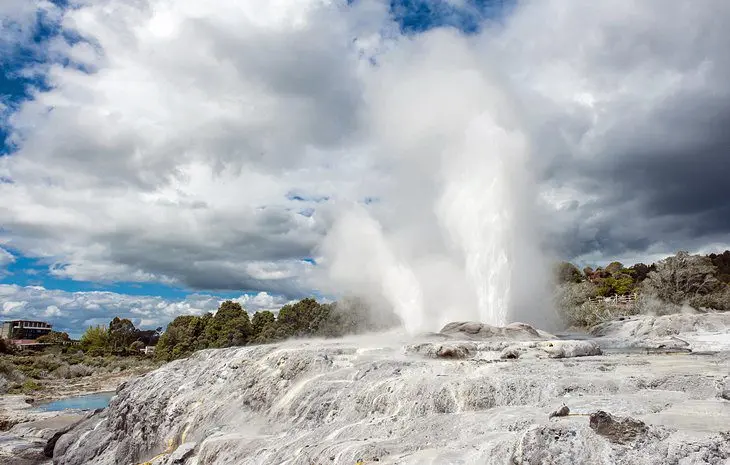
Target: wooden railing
column 628, row 299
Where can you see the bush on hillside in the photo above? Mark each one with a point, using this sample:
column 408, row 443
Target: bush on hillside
column 682, row 278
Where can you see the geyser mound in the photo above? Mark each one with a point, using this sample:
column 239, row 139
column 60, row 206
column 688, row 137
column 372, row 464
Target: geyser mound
column 371, row 398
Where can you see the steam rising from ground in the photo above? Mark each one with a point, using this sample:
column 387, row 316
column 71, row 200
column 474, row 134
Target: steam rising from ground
column 457, row 225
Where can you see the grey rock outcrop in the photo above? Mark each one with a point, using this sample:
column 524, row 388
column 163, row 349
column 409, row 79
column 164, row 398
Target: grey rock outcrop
column 402, row 401
column 471, row 330
column 616, row 429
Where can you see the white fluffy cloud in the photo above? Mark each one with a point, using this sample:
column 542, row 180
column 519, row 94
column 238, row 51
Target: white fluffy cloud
column 174, row 159
column 214, row 144
column 73, row 312
column 6, row 258
column 17, row 23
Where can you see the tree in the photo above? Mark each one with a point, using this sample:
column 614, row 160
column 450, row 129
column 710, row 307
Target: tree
column 230, row 326
column 150, row 336
column 95, row 340
column 722, row 262
column 260, row 321
column 681, row 278
column 54, row 337
column 568, row 273
column 620, row 284
column 184, row 335
column 614, row 268
column 121, row 334
column 303, row 318
column 640, row 271
column 571, row 295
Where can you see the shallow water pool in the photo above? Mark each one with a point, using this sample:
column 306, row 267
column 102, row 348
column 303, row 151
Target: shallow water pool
column 87, row 402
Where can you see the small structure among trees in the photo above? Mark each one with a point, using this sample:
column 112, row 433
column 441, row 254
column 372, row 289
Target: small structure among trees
column 604, row 293
column 121, row 337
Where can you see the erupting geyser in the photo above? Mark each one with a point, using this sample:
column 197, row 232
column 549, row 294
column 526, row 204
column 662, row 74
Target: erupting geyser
column 478, row 211
column 455, row 236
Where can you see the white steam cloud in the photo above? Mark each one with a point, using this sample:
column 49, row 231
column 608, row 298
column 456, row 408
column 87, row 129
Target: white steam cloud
column 457, row 229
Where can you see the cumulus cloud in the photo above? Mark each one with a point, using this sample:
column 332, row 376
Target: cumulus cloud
column 17, row 23
column 627, row 101
column 171, row 161
column 73, row 312
column 174, row 135
column 6, row 258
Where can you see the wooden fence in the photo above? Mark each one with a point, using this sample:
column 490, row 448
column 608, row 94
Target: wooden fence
column 628, row 299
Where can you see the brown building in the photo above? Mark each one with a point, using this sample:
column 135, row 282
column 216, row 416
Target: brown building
column 25, row 329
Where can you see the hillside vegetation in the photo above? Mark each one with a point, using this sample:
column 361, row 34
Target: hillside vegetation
column 231, row 325
column 680, row 282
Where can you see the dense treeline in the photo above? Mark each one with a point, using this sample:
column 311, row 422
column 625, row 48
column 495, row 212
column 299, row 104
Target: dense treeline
column 697, row 281
column 231, row 326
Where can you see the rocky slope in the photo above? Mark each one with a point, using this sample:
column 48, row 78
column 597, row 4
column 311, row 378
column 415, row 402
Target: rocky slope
column 472, row 394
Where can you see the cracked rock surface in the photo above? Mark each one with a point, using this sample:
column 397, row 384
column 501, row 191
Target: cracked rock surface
column 400, row 400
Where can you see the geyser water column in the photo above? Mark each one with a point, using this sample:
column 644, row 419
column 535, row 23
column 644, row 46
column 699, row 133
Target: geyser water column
column 478, row 208
column 454, row 235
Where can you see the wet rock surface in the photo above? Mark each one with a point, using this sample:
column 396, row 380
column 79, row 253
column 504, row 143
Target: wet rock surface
column 32, row 442
column 402, row 401
column 616, row 429
column 472, row 330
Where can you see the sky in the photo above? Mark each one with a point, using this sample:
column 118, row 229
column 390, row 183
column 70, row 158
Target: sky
column 159, row 156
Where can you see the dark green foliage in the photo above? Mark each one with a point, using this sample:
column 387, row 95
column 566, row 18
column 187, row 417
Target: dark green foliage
column 303, row 318
column 722, row 263
column 184, row 335
column 229, row 327
column 121, row 334
column 262, row 322
column 620, row 284
column 640, row 271
column 567, row 273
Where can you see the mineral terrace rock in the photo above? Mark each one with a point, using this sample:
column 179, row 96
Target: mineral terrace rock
column 445, row 350
column 563, row 411
column 569, row 349
column 337, row 401
column 471, row 330
column 510, row 353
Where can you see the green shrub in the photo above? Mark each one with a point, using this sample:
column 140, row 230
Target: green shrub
column 591, row 313
column 6, row 368
column 30, row 386
column 47, row 362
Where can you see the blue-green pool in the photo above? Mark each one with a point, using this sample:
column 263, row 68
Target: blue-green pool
column 88, row 402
